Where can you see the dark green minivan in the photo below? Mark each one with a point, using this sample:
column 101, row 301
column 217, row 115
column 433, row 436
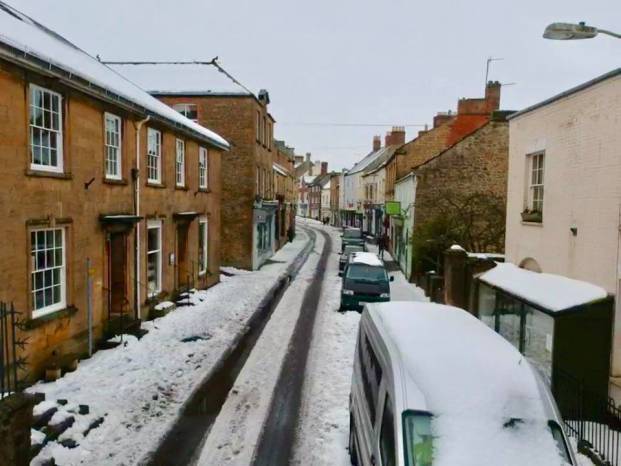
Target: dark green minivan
column 352, row 236
column 364, row 281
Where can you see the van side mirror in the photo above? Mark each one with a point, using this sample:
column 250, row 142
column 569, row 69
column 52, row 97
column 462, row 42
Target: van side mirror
column 392, row 278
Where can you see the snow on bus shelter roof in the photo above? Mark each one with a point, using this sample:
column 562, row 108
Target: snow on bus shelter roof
column 552, row 292
column 32, row 39
column 471, row 380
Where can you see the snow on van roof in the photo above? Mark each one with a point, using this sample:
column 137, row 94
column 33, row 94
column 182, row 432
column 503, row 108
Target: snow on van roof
column 366, row 258
column 472, row 381
column 553, row 292
column 21, row 32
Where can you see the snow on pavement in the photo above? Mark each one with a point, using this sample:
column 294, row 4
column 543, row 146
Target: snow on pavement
column 324, row 420
column 139, row 388
column 237, row 430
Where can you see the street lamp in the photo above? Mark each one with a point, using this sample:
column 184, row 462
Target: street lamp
column 570, row 31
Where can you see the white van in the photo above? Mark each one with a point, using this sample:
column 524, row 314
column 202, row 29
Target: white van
column 432, row 385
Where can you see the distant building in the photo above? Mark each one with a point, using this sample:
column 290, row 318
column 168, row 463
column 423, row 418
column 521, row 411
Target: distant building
column 564, row 195
column 249, row 206
column 285, row 185
column 374, row 182
column 448, row 129
column 357, row 209
column 335, row 195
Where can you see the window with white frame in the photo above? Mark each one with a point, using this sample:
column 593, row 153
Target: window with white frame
column 203, row 245
column 46, row 137
column 154, row 155
column 180, row 163
column 188, row 111
column 203, row 168
column 154, row 257
column 48, row 273
column 113, row 146
column 258, row 126
column 535, row 181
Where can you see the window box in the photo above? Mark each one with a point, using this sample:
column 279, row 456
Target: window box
column 532, row 216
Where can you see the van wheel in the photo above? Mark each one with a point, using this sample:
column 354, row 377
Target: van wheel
column 353, row 451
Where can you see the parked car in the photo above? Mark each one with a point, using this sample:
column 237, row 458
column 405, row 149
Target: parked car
column 351, row 236
column 365, row 280
column 346, row 254
column 434, row 385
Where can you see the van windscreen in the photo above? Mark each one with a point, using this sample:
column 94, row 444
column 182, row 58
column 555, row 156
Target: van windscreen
column 366, row 273
column 418, row 438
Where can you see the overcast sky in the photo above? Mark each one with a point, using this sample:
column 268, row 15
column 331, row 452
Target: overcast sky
column 388, row 62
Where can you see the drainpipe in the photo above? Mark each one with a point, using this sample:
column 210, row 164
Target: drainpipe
column 136, row 179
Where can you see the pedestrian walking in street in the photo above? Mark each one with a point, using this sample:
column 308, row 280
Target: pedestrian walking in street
column 382, row 243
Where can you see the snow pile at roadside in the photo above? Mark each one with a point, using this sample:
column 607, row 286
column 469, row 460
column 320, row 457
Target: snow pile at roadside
column 554, row 292
column 139, row 388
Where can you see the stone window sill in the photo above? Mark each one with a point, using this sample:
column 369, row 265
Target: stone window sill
column 44, row 319
column 156, row 185
column 532, row 224
column 204, row 190
column 182, row 188
column 46, row 174
column 114, row 181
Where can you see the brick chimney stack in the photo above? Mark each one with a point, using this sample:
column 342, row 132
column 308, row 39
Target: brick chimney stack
column 388, row 139
column 397, row 136
column 441, row 118
column 324, row 168
column 492, row 95
column 377, row 143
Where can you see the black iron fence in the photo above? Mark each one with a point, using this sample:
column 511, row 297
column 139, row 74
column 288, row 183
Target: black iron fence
column 12, row 364
column 594, row 421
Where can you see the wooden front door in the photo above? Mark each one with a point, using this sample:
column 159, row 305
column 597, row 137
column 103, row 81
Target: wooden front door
column 183, row 277
column 117, row 269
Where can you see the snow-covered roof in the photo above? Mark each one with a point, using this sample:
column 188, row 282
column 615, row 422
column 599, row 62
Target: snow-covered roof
column 381, row 159
column 366, row 258
column 182, row 79
column 365, row 162
column 552, row 292
column 448, row 363
column 37, row 43
column 280, row 169
column 308, row 179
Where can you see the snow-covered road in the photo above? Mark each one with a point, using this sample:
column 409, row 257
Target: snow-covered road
column 324, row 419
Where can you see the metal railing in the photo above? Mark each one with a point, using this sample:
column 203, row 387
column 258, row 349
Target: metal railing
column 11, row 363
column 595, row 421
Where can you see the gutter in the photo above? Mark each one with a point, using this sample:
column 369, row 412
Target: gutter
column 136, row 178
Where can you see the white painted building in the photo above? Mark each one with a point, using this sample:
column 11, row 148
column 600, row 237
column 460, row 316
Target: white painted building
column 401, row 226
column 564, row 189
column 325, row 200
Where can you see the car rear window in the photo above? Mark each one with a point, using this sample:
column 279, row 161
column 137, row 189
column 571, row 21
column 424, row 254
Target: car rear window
column 352, row 234
column 366, row 273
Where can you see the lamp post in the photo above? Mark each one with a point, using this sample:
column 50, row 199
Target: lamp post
column 570, row 31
